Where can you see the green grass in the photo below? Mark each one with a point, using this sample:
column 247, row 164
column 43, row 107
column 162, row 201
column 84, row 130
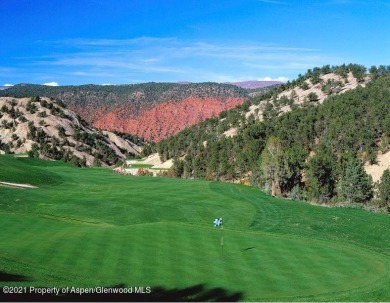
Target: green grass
column 90, row 227
column 27, row 170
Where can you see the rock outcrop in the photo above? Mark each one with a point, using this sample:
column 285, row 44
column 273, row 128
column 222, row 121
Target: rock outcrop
column 166, row 119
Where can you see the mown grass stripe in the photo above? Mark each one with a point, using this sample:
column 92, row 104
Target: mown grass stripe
column 53, row 249
column 100, row 246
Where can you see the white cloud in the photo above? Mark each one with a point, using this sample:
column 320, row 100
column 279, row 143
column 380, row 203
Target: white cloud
column 265, row 79
column 80, row 43
column 169, row 49
column 51, row 84
column 8, row 84
column 172, row 59
column 281, row 79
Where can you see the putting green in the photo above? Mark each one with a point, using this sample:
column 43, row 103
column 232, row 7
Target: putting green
column 171, row 255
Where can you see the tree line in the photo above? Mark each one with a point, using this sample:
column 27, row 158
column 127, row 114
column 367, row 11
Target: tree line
column 107, row 95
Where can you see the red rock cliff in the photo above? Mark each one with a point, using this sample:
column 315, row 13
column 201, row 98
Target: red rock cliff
column 165, row 119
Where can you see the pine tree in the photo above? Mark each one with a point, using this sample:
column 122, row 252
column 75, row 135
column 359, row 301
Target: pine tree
column 96, row 162
column 178, row 167
column 321, row 175
column 384, row 188
column 274, row 166
column 355, row 185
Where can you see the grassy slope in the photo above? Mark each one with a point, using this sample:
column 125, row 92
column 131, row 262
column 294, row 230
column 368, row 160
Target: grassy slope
column 86, row 227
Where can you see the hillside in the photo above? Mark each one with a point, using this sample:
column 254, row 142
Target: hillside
column 43, row 127
column 153, row 111
column 302, row 140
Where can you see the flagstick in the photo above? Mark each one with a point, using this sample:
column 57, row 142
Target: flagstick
column 222, row 240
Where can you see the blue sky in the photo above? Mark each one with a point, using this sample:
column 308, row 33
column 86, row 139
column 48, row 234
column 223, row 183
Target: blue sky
column 132, row 41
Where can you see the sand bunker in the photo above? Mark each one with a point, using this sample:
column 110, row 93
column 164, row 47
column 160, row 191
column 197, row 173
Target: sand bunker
column 17, row 185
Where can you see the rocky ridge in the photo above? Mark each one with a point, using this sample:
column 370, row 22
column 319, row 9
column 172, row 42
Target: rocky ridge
column 43, row 128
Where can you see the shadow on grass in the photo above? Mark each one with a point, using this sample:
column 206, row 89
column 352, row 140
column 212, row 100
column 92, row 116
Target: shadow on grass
column 239, row 252
column 196, row 293
column 248, row 248
column 6, row 277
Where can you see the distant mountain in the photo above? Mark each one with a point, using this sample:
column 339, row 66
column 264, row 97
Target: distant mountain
column 4, row 87
column 45, row 129
column 153, row 111
column 252, row 84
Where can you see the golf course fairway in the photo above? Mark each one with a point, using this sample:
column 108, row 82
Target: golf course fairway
column 91, row 227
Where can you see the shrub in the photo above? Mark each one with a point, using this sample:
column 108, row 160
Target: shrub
column 144, row 172
column 42, row 114
column 312, row 97
column 304, row 86
column 22, row 119
column 31, row 107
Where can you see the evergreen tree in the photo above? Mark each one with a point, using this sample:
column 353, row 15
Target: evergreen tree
column 321, row 175
column 355, row 185
column 384, row 188
column 96, row 162
column 178, row 167
column 312, row 97
column 274, row 167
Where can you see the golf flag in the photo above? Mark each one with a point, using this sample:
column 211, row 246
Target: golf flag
column 218, row 222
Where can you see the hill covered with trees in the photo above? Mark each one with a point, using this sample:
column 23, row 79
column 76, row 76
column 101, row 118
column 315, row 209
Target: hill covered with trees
column 312, row 148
